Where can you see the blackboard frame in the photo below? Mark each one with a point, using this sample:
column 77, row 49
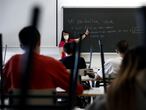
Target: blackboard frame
column 134, row 31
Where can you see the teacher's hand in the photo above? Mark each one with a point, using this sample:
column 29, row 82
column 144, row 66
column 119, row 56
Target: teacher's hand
column 87, row 32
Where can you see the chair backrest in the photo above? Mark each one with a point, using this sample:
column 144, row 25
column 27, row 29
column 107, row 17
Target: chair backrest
column 36, row 97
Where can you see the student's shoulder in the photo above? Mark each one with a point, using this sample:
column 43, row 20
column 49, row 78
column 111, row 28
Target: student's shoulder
column 16, row 56
column 48, row 59
column 111, row 60
column 13, row 59
column 61, row 44
column 82, row 58
column 114, row 60
column 66, row 59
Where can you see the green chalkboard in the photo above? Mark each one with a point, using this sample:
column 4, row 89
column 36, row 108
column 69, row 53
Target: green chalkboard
column 107, row 24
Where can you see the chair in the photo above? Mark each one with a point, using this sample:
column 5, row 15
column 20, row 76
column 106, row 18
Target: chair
column 35, row 96
column 44, row 99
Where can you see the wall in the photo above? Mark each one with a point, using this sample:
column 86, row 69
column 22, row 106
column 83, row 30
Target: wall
column 11, row 21
column 96, row 61
column 94, row 3
column 15, row 14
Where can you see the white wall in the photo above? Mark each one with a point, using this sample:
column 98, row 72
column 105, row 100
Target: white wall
column 15, row 14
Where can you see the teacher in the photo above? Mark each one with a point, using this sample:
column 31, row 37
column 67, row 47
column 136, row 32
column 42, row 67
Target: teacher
column 65, row 38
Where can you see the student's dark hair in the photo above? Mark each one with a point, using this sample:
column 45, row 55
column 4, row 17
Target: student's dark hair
column 29, row 34
column 62, row 37
column 69, row 48
column 122, row 46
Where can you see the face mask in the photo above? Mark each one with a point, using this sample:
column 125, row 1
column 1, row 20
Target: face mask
column 66, row 37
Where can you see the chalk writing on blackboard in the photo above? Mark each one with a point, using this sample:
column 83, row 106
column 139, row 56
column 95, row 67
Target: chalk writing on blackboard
column 107, row 24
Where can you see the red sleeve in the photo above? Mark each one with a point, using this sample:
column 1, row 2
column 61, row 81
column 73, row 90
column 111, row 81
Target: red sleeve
column 11, row 68
column 7, row 77
column 61, row 44
column 63, row 54
column 71, row 40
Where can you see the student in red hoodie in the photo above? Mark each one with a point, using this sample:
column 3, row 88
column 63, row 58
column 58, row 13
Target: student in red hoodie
column 47, row 73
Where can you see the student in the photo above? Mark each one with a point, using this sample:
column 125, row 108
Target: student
column 68, row 61
column 112, row 65
column 47, row 73
column 65, row 38
column 128, row 90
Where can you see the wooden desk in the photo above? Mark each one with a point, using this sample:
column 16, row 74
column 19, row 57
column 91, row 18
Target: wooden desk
column 90, row 92
column 93, row 92
column 87, row 96
column 87, row 78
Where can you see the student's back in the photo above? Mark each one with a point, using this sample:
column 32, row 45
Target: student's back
column 69, row 60
column 46, row 72
column 112, row 65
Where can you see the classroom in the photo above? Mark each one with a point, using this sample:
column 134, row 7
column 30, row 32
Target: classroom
column 95, row 31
